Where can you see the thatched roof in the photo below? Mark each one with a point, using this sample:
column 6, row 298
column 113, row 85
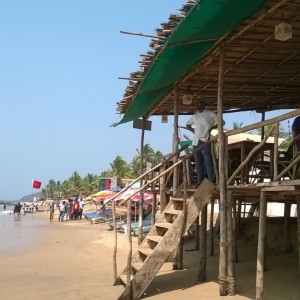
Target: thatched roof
column 260, row 72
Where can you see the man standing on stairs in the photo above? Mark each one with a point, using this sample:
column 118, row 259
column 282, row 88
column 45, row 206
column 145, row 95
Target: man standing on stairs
column 201, row 123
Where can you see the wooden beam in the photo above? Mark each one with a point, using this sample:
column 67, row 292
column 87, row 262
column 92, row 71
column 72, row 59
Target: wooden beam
column 261, row 246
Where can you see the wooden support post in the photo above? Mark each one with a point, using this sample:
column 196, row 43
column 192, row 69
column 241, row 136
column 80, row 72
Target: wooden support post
column 162, row 193
column 222, row 181
column 239, row 212
column 197, row 229
column 203, row 230
column 262, row 230
column 180, row 256
column 287, row 225
column 211, row 227
column 154, row 209
column 140, row 224
column 298, row 229
column 230, row 252
column 234, row 226
column 177, row 253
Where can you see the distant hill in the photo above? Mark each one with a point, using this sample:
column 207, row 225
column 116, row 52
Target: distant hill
column 30, row 197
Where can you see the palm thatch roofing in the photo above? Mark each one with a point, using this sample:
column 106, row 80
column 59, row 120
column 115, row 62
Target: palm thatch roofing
column 260, row 72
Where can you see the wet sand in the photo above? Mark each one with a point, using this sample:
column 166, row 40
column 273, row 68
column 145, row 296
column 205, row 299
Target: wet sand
column 73, row 260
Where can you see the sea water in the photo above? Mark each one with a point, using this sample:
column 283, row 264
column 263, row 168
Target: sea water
column 19, row 233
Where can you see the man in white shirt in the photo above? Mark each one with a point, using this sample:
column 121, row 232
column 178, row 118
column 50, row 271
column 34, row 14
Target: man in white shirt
column 201, row 123
column 81, row 205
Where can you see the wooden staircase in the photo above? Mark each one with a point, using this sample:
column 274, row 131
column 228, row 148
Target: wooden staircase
column 162, row 240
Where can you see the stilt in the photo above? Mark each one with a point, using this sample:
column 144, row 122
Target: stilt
column 180, row 255
column 235, row 248
column 287, row 225
column 211, row 227
column 197, row 234
column 261, row 246
column 298, row 228
column 203, row 230
column 222, row 180
column 230, row 252
column 239, row 213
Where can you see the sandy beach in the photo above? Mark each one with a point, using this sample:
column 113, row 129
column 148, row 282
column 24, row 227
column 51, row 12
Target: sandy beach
column 73, row 260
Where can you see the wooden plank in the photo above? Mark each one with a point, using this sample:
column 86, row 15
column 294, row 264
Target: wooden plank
column 154, row 238
column 146, row 251
column 172, row 211
column 163, row 225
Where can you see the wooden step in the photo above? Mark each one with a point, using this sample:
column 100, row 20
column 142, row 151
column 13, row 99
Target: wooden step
column 146, row 251
column 123, row 277
column 172, row 211
column 137, row 265
column 144, row 270
column 163, row 225
column 177, row 199
column 154, row 238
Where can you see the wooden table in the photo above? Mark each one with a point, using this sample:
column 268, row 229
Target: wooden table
column 240, row 150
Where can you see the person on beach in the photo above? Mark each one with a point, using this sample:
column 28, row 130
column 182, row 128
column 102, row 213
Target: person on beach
column 81, row 205
column 201, row 123
column 61, row 211
column 75, row 209
column 17, row 209
column 67, row 211
column 51, row 210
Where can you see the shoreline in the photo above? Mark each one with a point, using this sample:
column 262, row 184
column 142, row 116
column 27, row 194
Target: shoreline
column 73, row 260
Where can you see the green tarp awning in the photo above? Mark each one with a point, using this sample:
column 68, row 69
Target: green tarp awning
column 208, row 20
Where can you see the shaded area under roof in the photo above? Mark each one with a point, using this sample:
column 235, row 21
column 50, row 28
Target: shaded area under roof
column 207, row 21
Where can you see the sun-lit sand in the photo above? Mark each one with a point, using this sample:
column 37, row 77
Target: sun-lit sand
column 73, row 260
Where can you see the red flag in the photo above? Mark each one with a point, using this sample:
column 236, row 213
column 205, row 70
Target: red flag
column 36, row 184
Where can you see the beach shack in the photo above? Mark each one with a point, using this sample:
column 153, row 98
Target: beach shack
column 238, row 56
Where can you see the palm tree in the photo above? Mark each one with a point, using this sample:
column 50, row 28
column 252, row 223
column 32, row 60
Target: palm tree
column 119, row 168
column 282, row 134
column 90, row 184
column 236, row 125
column 149, row 155
column 76, row 183
column 51, row 188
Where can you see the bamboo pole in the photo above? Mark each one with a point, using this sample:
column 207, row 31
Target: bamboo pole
column 261, row 246
column 141, row 200
column 287, row 224
column 175, row 140
column 154, row 208
column 275, row 158
column 211, row 227
column 230, row 241
column 162, row 193
column 115, row 241
column 129, row 255
column 234, row 230
column 203, row 230
column 144, row 35
column 184, row 211
column 222, row 181
column 197, row 234
column 177, row 253
column 298, row 230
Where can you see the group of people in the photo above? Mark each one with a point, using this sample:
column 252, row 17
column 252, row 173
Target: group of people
column 69, row 209
column 26, row 208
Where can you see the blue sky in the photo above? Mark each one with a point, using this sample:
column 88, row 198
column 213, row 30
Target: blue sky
column 59, row 66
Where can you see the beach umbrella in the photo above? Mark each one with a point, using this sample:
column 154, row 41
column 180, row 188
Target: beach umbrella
column 103, row 193
column 147, row 197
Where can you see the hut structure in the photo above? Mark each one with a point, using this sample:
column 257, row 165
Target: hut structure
column 238, row 56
